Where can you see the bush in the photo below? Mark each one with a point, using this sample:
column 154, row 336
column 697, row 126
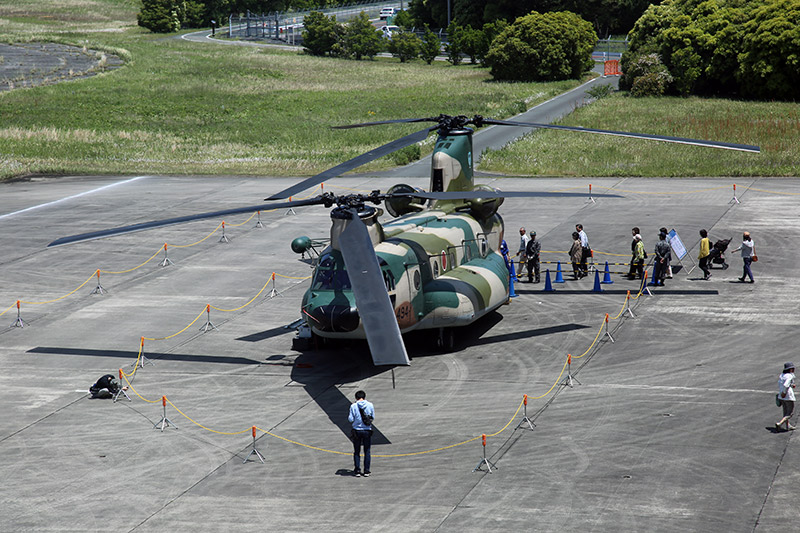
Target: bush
column 191, row 14
column 543, row 47
column 431, row 45
column 159, row 16
column 406, row 155
column 320, row 33
column 649, row 76
column 360, row 38
column 405, row 45
column 722, row 47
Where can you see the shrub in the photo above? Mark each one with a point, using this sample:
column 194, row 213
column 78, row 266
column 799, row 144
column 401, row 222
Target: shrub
column 360, row 38
column 320, row 33
column 454, row 47
column 404, row 20
column 405, row 45
column 649, row 76
column 406, row 155
column 543, row 47
column 431, row 45
column 159, row 16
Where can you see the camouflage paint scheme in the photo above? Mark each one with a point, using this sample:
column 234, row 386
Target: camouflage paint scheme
column 441, row 265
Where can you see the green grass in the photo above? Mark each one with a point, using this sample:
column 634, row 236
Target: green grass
column 774, row 126
column 178, row 107
column 182, row 107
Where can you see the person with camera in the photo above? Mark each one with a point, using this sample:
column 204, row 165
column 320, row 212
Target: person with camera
column 105, row 387
column 362, row 413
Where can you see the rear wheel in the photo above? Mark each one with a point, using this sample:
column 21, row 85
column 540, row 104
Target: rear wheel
column 446, row 341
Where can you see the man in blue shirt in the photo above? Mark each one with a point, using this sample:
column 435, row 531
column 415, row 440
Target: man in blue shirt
column 362, row 431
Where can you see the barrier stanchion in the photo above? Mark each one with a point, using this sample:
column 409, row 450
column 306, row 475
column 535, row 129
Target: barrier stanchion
column 484, row 461
column 19, row 323
column 290, row 211
column 628, row 305
column 166, row 261
column 142, row 360
column 559, row 274
column 590, row 195
column 254, row 451
column 607, row 276
column 525, row 419
column 734, row 200
column 122, row 390
column 644, row 289
column 513, row 272
column 208, row 324
column 569, row 380
column 223, row 238
column 274, row 292
column 258, row 221
column 607, row 332
column 99, row 289
column 164, row 422
column 548, row 285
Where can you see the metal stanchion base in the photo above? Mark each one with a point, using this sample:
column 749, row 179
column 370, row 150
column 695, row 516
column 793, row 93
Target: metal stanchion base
column 734, row 200
column 609, row 336
column 223, row 238
column 119, row 393
column 259, row 224
column 19, row 323
column 291, row 211
column 143, row 361
column 273, row 293
column 98, row 290
column 256, row 453
column 568, row 381
column 489, row 465
column 164, row 422
column 166, row 262
column 524, row 421
column 208, row 326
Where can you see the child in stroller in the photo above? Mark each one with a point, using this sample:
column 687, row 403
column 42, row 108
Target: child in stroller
column 717, row 253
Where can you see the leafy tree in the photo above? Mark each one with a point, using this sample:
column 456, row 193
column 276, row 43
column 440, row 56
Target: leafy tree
column 473, row 43
column 360, row 38
column 404, row 20
column 543, row 47
column 454, row 46
column 191, row 14
column 770, row 56
column 405, row 45
column 320, row 33
column 159, row 16
column 431, row 45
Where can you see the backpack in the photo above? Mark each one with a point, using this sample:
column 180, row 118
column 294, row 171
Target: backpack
column 364, row 416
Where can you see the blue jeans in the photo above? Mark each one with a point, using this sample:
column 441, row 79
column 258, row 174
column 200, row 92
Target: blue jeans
column 747, row 271
column 360, row 437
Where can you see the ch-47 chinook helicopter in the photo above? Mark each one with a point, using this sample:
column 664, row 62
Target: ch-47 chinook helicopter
column 437, row 265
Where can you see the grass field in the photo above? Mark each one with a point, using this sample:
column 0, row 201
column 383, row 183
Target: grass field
column 181, row 107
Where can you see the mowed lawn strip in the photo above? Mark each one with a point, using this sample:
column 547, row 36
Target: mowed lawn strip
column 774, row 126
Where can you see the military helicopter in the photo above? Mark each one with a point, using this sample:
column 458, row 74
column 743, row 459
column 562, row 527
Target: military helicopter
column 437, row 265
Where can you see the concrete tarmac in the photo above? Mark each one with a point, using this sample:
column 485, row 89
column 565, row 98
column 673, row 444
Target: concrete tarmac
column 671, row 427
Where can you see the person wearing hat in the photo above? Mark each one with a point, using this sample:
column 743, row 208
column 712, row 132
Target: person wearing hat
column 532, row 250
column 748, row 249
column 662, row 259
column 786, row 395
column 523, row 244
column 637, row 260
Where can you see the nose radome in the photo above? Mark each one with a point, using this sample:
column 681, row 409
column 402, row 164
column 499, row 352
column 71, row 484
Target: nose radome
column 335, row 318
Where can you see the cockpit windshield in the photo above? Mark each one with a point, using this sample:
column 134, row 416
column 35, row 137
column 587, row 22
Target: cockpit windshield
column 331, row 274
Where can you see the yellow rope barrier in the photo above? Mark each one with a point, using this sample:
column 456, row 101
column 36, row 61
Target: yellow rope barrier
column 60, row 297
column 134, row 268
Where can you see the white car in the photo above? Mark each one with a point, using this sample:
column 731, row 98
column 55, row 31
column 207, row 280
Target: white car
column 389, row 30
column 387, row 12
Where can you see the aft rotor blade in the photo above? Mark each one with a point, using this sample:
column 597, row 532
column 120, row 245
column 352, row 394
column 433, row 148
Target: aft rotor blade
column 180, row 220
column 395, row 121
column 663, row 138
column 369, row 289
column 348, row 165
column 473, row 195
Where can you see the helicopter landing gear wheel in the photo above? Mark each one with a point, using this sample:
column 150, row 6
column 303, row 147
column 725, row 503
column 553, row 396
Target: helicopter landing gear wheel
column 446, row 341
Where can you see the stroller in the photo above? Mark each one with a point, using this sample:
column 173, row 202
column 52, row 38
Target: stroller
column 717, row 253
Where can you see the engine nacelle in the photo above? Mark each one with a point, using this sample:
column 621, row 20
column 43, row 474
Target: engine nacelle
column 403, row 205
column 301, row 245
column 484, row 208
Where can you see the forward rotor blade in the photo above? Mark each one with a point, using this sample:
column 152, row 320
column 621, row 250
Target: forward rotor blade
column 362, row 159
column 664, row 138
column 395, row 121
column 473, row 195
column 179, row 220
column 369, row 289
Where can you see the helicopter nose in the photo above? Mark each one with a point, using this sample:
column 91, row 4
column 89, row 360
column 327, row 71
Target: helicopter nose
column 335, row 318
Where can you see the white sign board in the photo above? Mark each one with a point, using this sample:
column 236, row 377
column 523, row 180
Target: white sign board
column 677, row 244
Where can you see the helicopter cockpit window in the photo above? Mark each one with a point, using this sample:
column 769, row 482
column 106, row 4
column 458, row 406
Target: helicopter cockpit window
column 484, row 247
column 435, row 269
column 388, row 279
column 467, row 254
column 330, row 275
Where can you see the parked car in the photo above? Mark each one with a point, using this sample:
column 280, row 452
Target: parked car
column 387, row 12
column 389, row 30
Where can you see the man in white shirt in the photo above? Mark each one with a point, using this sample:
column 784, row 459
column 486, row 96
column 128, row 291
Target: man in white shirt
column 786, row 395
column 586, row 252
column 523, row 258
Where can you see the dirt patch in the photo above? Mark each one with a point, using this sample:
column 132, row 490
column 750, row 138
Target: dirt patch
column 32, row 64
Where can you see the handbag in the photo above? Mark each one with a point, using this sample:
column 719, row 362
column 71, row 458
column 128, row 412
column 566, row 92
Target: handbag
column 778, row 399
column 755, row 258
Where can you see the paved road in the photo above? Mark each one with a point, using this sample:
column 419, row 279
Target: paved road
column 669, row 430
